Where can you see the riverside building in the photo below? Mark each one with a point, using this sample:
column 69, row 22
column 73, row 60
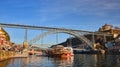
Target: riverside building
column 4, row 37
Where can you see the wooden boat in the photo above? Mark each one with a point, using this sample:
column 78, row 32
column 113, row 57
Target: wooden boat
column 67, row 55
column 67, row 52
column 60, row 51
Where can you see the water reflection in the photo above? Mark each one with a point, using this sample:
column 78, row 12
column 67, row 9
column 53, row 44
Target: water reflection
column 17, row 62
column 50, row 62
column 96, row 60
column 5, row 63
column 84, row 60
column 64, row 62
column 79, row 60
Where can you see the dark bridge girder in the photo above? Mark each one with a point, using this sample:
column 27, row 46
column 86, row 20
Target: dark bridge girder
column 47, row 28
column 37, row 27
column 76, row 34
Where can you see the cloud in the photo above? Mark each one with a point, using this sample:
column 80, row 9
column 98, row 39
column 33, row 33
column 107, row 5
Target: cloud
column 48, row 10
column 92, row 7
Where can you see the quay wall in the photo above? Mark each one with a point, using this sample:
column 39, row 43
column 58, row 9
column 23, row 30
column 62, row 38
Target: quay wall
column 4, row 55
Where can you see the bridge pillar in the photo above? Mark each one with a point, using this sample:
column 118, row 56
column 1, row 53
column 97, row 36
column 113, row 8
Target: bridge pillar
column 25, row 37
column 57, row 38
column 93, row 40
column 25, row 43
column 105, row 38
column 41, row 38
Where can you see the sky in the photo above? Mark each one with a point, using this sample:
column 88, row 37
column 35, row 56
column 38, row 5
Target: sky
column 86, row 15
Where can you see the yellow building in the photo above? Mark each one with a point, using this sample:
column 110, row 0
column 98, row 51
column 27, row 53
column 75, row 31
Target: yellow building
column 110, row 30
column 4, row 37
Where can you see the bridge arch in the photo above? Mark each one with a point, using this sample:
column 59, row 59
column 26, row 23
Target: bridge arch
column 76, row 34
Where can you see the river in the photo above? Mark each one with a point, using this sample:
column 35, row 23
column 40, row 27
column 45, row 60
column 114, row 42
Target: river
column 79, row 60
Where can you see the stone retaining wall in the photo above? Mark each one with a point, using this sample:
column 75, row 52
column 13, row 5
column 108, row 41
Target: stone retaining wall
column 6, row 55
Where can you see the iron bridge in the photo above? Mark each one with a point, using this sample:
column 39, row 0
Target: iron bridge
column 50, row 30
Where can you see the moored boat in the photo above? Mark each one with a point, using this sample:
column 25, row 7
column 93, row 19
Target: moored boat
column 67, row 52
column 60, row 51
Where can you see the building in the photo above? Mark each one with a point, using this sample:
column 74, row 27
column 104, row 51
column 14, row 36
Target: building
column 109, row 29
column 4, row 37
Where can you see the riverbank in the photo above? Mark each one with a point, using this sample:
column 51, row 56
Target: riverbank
column 4, row 55
column 79, row 60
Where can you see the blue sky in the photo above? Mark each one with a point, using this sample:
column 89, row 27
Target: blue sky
column 75, row 14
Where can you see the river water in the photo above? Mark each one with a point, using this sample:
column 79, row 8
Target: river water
column 79, row 60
